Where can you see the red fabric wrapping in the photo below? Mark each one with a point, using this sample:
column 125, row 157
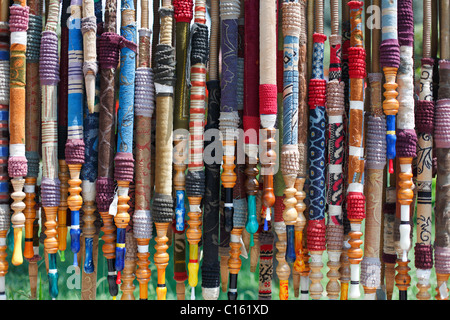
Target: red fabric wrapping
column 268, row 99
column 356, row 206
column 315, row 235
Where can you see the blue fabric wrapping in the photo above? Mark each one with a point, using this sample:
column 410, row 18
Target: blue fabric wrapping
column 290, row 90
column 125, row 115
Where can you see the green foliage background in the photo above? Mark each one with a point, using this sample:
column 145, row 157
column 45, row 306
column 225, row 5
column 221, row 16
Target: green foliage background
column 17, row 283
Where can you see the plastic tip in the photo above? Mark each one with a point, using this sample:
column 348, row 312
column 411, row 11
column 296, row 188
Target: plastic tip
column 118, row 278
column 192, row 293
column 62, row 256
column 75, row 260
column 114, row 297
column 266, row 226
column 391, row 166
column 252, row 243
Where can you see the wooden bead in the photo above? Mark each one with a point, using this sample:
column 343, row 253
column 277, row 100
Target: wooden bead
column 300, row 223
column 234, row 263
column 423, row 293
column 122, row 218
column 143, row 273
column 194, row 232
column 402, row 278
column 355, row 253
column 75, row 201
column 390, row 103
column 316, row 276
column 268, row 161
column 62, row 209
column 51, row 242
column 161, row 258
column 109, row 236
column 89, row 219
column 283, row 270
column 333, row 287
column 290, row 212
column 228, row 175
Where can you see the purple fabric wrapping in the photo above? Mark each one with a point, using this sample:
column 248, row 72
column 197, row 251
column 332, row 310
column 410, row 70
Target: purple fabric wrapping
column 442, row 260
column 74, row 151
column 50, row 192
column 442, row 124
column 423, row 256
column 109, row 45
column 105, row 193
column 18, row 18
column 124, row 166
column 48, row 60
column 17, row 166
column 390, row 53
column 425, row 116
column 376, row 142
column 228, row 101
column 406, row 143
column 405, row 23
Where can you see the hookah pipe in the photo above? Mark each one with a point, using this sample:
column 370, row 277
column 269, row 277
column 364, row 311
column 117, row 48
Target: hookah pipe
column 335, row 193
column 108, row 56
column 50, row 189
column 376, row 163
column 195, row 178
column 144, row 102
column 210, row 265
column 164, row 69
column 355, row 199
column 300, row 195
column 124, row 162
column 74, row 151
column 183, row 16
column 32, row 133
column 289, row 150
column 406, row 139
column 5, row 214
column 17, row 162
column 423, row 250
column 63, row 173
column 229, row 120
column 89, row 174
column 250, row 112
column 316, row 149
column 267, row 102
column 91, row 118
column 344, row 270
column 442, row 145
column 389, row 61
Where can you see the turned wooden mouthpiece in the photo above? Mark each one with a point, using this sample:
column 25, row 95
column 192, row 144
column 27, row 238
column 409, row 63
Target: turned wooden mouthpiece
column 161, row 258
column 18, row 219
column 30, row 216
column 194, row 235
